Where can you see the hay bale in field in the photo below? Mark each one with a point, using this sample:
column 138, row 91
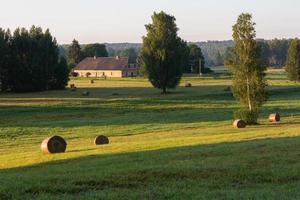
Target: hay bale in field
column 239, row 123
column 101, row 140
column 92, row 81
column 274, row 117
column 54, row 144
column 188, row 85
column 85, row 93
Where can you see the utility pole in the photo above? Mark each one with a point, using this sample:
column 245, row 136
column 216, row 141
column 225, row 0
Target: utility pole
column 200, row 67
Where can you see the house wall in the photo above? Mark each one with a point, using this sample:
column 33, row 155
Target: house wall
column 100, row 73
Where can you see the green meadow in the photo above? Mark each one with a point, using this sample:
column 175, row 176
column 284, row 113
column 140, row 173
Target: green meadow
column 176, row 146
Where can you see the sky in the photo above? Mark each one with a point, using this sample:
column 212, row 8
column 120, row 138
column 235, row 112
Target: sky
column 112, row 21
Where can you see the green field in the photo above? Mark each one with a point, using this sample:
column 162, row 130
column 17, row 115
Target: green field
column 176, row 146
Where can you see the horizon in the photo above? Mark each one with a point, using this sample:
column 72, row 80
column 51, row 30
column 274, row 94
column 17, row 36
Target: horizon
column 123, row 21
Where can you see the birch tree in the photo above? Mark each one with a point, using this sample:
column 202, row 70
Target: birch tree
column 247, row 69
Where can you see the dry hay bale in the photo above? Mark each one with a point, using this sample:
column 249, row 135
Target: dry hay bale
column 188, row 85
column 92, row 81
column 239, row 123
column 274, row 117
column 101, row 139
column 55, row 144
column 85, row 93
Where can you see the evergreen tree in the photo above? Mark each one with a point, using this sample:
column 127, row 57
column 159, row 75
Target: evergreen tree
column 30, row 60
column 5, row 38
column 293, row 61
column 74, row 54
column 60, row 77
column 248, row 73
column 164, row 54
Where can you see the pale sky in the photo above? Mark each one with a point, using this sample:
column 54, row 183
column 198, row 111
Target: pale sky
column 92, row 21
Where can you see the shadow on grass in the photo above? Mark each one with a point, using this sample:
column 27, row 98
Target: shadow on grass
column 240, row 166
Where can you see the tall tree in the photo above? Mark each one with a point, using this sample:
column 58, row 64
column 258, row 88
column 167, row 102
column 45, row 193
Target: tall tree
column 293, row 61
column 74, row 54
column 163, row 53
column 91, row 50
column 5, row 38
column 32, row 57
column 60, row 77
column 248, row 73
column 195, row 59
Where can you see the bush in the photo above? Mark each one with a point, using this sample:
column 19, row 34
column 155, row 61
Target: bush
column 250, row 117
column 74, row 74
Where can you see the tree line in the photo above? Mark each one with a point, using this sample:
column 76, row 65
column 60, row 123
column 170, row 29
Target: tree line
column 29, row 61
column 214, row 52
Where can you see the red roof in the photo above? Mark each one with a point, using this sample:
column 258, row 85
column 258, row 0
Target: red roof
column 103, row 63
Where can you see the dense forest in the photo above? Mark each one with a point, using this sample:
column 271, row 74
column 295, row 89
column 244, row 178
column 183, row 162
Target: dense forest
column 273, row 52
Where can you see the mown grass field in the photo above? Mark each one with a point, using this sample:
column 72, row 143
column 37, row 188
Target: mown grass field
column 176, row 146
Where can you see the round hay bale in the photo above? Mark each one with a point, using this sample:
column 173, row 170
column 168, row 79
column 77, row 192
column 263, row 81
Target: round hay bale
column 239, row 123
column 188, row 85
column 101, row 140
column 274, row 117
column 85, row 93
column 54, row 144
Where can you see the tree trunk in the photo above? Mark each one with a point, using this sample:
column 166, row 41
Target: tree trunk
column 248, row 95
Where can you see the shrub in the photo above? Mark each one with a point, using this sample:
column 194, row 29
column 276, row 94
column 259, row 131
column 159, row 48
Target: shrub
column 250, row 117
column 74, row 74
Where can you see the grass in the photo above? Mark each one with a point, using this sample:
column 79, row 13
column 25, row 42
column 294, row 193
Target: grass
column 176, row 146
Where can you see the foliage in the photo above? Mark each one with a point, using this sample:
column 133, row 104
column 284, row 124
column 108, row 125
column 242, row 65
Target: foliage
column 131, row 53
column 278, row 49
column 61, row 75
column 74, row 74
column 4, row 59
column 91, row 50
column 265, row 53
column 195, row 57
column 74, row 55
column 248, row 116
column 31, row 61
column 293, row 61
column 164, row 54
column 248, row 72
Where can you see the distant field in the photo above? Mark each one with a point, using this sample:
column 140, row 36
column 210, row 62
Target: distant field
column 176, row 146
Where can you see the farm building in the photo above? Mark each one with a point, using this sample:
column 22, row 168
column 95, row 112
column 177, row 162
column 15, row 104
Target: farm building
column 106, row 67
